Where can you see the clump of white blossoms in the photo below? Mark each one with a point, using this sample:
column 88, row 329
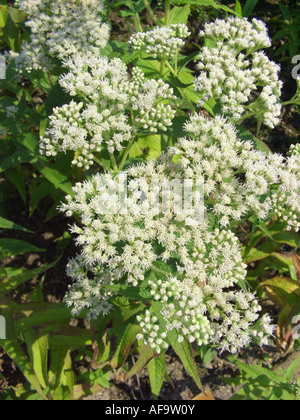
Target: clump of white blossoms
column 243, row 81
column 160, row 42
column 203, row 297
column 286, row 200
column 89, row 289
column 61, row 28
column 113, row 109
column 237, row 177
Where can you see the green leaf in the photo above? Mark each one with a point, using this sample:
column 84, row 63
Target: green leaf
column 255, row 371
column 10, row 247
column 38, row 192
column 262, row 252
column 145, row 357
column 249, row 7
column 126, row 334
column 180, row 14
column 245, row 135
column 290, row 238
column 15, row 352
column 292, row 369
column 157, row 372
column 20, row 156
column 11, row 283
column 70, row 337
column 42, row 314
column 37, row 346
column 185, row 353
column 150, row 146
column 205, row 3
column 7, row 224
column 56, row 98
column 282, row 290
column 59, row 180
column 238, row 8
column 17, row 177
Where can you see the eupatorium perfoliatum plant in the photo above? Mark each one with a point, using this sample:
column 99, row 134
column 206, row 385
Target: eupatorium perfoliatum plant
column 164, row 232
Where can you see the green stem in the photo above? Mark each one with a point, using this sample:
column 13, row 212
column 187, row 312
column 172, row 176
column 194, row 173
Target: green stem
column 160, row 272
column 113, row 162
column 126, row 153
column 50, row 79
column 176, row 62
column 167, row 13
column 137, row 20
column 168, row 142
column 171, row 69
column 250, row 114
column 162, row 67
column 150, row 11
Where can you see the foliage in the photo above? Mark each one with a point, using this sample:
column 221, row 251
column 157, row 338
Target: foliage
column 128, row 123
column 259, row 383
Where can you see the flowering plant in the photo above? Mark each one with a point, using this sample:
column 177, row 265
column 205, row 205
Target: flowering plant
column 159, row 174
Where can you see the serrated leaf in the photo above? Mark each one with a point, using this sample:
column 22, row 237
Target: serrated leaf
column 205, row 3
column 15, row 352
column 185, row 353
column 157, row 372
column 180, row 14
column 246, row 135
column 127, row 336
column 145, row 357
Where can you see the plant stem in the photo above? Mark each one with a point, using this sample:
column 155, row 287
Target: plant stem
column 50, row 79
column 160, row 272
column 150, row 11
column 113, row 162
column 126, row 153
column 162, row 67
column 176, row 62
column 167, row 13
column 171, row 69
column 137, row 20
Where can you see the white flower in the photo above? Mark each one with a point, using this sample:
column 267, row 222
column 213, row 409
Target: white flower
column 61, row 28
column 232, row 71
column 112, row 111
column 160, row 42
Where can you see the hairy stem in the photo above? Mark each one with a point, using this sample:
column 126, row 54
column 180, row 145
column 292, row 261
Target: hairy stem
column 160, row 272
column 113, row 162
column 126, row 154
column 137, row 19
column 167, row 13
column 150, row 11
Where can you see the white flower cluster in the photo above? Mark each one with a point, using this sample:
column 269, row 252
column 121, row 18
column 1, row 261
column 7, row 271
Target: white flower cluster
column 236, row 176
column 240, row 34
column 182, row 310
column 11, row 111
column 62, row 28
column 286, row 200
column 112, row 110
column 200, row 303
column 241, row 80
column 89, row 290
column 160, row 42
column 192, row 310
